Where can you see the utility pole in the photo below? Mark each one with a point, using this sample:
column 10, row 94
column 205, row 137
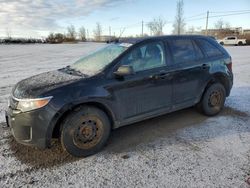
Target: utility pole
column 142, row 27
column 87, row 34
column 109, row 33
column 121, row 32
column 207, row 22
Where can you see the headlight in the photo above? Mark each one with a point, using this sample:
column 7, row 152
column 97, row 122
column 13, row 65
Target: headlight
column 25, row 105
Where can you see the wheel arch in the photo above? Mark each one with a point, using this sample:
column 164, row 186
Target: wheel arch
column 55, row 131
column 221, row 78
column 216, row 78
column 240, row 43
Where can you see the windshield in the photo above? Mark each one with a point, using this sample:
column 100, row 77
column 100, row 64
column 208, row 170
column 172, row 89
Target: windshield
column 97, row 61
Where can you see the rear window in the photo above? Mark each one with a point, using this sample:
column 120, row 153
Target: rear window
column 185, row 50
column 210, row 49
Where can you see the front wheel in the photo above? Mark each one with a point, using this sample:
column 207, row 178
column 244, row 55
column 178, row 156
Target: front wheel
column 85, row 131
column 213, row 100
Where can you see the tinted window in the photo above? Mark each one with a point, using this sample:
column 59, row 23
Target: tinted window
column 145, row 57
column 199, row 54
column 185, row 50
column 209, row 48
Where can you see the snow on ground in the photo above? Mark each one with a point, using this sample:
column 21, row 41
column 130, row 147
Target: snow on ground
column 181, row 149
column 21, row 61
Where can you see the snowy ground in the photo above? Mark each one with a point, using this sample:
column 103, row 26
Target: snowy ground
column 181, row 149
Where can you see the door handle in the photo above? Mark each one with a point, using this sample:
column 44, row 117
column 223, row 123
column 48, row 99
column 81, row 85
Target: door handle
column 153, row 76
column 161, row 75
column 204, row 66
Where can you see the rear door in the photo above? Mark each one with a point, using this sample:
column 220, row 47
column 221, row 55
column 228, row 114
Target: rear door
column 189, row 72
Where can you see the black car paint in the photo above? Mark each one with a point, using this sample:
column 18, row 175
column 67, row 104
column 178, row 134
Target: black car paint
column 39, row 84
column 126, row 100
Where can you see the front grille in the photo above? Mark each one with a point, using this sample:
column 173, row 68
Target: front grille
column 13, row 103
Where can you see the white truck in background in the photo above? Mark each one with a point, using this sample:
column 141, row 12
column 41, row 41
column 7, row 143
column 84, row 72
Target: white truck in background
column 232, row 40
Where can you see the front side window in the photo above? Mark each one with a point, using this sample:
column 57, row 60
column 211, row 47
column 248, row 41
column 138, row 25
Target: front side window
column 145, row 57
column 183, row 50
column 98, row 60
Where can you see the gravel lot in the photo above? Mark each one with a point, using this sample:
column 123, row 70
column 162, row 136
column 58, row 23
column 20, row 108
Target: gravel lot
column 181, row 149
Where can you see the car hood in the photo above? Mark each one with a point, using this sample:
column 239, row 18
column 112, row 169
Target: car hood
column 37, row 85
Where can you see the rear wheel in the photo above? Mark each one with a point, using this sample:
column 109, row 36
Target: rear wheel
column 240, row 43
column 222, row 43
column 85, row 131
column 213, row 100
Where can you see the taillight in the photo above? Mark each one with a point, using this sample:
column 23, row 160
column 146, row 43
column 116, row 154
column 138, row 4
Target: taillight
column 229, row 66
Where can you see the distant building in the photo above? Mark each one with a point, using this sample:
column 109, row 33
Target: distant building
column 221, row 33
column 246, row 31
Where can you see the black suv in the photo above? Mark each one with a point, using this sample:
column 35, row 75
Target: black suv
column 122, row 83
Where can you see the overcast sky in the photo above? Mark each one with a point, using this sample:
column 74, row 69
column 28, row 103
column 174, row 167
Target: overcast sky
column 37, row 18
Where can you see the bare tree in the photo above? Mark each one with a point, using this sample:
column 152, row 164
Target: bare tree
column 59, row 37
column 98, row 31
column 82, row 33
column 71, row 32
column 51, row 38
column 55, row 38
column 156, row 26
column 179, row 24
column 221, row 24
column 193, row 30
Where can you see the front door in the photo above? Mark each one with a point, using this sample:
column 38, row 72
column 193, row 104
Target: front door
column 230, row 40
column 149, row 90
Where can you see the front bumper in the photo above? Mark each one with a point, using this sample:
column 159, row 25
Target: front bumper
column 31, row 128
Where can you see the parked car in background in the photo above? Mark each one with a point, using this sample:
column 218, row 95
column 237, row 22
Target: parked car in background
column 232, row 40
column 120, row 84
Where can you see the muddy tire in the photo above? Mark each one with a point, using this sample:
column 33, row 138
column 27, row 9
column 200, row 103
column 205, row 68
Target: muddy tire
column 212, row 101
column 85, row 131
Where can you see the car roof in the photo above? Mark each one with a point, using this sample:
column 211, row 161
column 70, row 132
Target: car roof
column 140, row 39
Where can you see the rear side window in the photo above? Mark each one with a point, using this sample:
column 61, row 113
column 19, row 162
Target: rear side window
column 210, row 49
column 184, row 50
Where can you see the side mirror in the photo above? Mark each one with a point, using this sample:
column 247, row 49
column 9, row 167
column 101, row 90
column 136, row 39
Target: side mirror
column 124, row 70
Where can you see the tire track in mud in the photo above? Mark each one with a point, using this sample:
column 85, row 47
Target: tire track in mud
column 29, row 170
column 10, row 150
column 245, row 117
column 231, row 111
column 246, row 170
